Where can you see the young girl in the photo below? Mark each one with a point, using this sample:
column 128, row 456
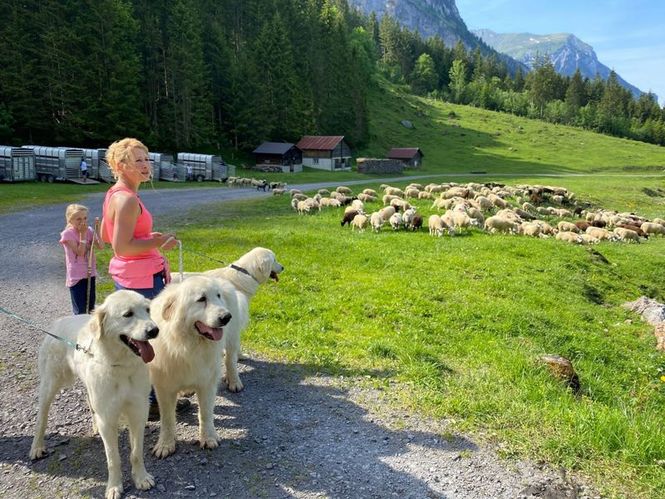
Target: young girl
column 77, row 239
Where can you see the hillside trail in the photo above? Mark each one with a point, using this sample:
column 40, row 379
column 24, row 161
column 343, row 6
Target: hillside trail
column 291, row 433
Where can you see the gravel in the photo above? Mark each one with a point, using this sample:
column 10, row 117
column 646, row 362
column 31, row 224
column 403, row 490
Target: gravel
column 290, row 433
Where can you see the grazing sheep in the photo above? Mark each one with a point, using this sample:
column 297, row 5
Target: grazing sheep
column 627, row 235
column 634, row 228
column 407, row 216
column 497, row 201
column 424, row 195
column 528, row 207
column 569, row 237
column 411, row 193
column 589, row 239
column 567, row 227
column 278, row 192
column 395, row 221
column 529, row 229
column 652, row 228
column 484, row 203
column 387, row 212
column 299, row 196
column 582, row 225
column 303, row 207
column 294, row 204
column 416, row 222
column 324, row 192
column 600, row 233
column 357, row 204
column 545, row 228
column 388, row 198
column 435, row 226
column 499, row 224
column 376, row 221
column 370, row 192
column 400, row 204
column 366, row 198
column 295, row 191
column 359, row 222
column 348, row 217
column 342, row 189
column 461, row 220
column 659, row 221
column 394, row 191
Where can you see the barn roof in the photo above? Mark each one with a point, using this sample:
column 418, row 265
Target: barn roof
column 320, row 142
column 273, row 148
column 404, row 152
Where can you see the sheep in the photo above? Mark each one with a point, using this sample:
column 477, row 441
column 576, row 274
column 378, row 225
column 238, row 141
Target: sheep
column 424, row 195
column 294, row 204
column 387, row 212
column 411, row 193
column 348, row 217
column 407, row 216
column 278, row 192
column 303, row 207
column 400, row 204
column 627, row 235
column 461, row 220
column 567, row 227
column 439, row 204
column 394, row 191
column 545, row 228
column 484, row 203
column 582, row 225
column 589, row 239
column 416, row 222
column 366, row 198
column 528, row 207
column 324, row 192
column 499, row 224
column 435, row 226
column 529, row 229
column 370, row 192
column 569, row 237
column 652, row 228
column 395, row 221
column 299, row 196
column 634, row 228
column 600, row 233
column 388, row 198
column 476, row 215
column 359, row 222
column 349, row 209
column 358, row 205
column 376, row 221
column 659, row 221
column 342, row 189
column 497, row 201
column 295, row 191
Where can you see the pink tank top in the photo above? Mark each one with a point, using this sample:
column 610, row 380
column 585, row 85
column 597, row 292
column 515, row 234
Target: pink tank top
column 136, row 271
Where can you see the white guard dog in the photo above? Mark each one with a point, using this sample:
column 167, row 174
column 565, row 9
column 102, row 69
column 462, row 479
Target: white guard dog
column 246, row 274
column 114, row 372
column 193, row 316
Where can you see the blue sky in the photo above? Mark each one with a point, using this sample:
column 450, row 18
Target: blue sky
column 627, row 36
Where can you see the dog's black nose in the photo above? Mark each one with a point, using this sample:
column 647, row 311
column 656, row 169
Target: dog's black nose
column 224, row 319
column 152, row 334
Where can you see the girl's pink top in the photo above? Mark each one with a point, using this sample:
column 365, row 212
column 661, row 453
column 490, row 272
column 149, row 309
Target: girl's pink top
column 77, row 266
column 136, row 271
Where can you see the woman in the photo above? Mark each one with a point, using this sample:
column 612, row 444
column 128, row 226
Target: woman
column 127, row 224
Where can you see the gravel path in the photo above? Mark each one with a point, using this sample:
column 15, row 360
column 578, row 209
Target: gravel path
column 290, row 433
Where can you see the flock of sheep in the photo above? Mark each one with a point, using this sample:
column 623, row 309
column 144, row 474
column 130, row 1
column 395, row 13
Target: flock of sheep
column 256, row 183
column 529, row 210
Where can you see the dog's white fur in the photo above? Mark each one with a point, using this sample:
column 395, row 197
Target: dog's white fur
column 115, row 377
column 193, row 316
column 260, row 264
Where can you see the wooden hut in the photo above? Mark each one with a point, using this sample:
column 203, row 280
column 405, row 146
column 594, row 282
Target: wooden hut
column 278, row 156
column 322, row 152
column 412, row 157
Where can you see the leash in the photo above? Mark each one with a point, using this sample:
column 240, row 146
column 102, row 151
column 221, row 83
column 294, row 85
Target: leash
column 90, row 257
column 180, row 264
column 70, row 344
column 204, row 256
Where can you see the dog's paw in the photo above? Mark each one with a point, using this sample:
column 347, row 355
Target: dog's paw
column 114, row 492
column 37, row 452
column 144, row 480
column 234, row 385
column 209, row 442
column 163, row 449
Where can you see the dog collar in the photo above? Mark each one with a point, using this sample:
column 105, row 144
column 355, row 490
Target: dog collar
column 242, row 271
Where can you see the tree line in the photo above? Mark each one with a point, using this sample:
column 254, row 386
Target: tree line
column 220, row 74
column 458, row 75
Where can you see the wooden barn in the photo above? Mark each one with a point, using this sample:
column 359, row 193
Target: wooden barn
column 322, row 152
column 412, row 157
column 278, row 155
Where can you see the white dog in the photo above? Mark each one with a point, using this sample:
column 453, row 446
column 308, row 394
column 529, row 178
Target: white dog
column 246, row 274
column 112, row 366
column 193, row 316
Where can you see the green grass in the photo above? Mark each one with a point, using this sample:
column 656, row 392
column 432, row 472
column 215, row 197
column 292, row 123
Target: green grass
column 453, row 327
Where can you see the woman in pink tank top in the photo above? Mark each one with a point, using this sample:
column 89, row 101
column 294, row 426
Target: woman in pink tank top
column 127, row 224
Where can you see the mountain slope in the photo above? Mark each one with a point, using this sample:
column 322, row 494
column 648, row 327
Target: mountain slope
column 430, row 18
column 566, row 51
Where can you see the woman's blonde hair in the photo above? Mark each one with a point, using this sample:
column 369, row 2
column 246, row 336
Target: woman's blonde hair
column 72, row 210
column 119, row 151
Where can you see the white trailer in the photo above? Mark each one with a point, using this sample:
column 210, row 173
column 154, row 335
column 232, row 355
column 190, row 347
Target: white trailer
column 17, row 164
column 202, row 167
column 57, row 163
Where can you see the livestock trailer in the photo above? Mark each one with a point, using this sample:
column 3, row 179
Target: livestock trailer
column 17, row 164
column 97, row 166
column 164, row 168
column 57, row 163
column 202, row 167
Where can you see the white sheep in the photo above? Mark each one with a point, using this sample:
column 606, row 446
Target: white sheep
column 601, row 234
column 357, row 205
column 278, row 192
column 530, row 229
column 499, row 224
column 342, row 189
column 395, row 221
column 627, row 235
column 569, row 237
column 359, row 222
column 370, row 192
column 387, row 212
column 435, row 226
column 567, row 227
column 653, row 228
column 376, row 221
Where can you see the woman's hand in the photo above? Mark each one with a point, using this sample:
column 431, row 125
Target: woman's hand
column 165, row 242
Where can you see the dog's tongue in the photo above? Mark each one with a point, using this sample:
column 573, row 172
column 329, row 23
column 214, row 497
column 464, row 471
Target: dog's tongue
column 215, row 333
column 145, row 349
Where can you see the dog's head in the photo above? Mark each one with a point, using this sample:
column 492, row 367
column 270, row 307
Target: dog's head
column 124, row 317
column 261, row 263
column 200, row 305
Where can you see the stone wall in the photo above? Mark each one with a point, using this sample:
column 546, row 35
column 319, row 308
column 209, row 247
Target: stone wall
column 376, row 165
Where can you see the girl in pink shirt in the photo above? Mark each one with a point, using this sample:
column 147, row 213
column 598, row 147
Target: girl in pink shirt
column 77, row 240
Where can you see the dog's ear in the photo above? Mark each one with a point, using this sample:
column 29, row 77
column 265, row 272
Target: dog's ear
column 168, row 308
column 97, row 321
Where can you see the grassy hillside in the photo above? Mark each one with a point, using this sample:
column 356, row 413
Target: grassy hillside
column 463, row 139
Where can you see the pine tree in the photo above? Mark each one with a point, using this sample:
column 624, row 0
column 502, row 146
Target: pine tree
column 575, row 95
column 424, row 77
column 458, row 80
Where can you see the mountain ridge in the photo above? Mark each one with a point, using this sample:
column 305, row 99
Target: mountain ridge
column 565, row 50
